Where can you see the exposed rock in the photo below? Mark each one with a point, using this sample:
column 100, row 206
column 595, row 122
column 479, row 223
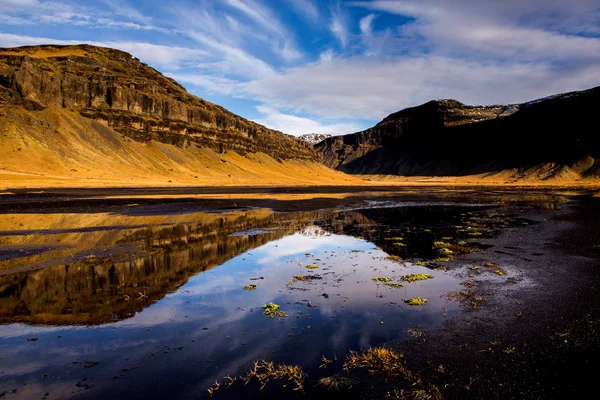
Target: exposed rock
column 116, row 89
column 541, row 139
column 314, row 137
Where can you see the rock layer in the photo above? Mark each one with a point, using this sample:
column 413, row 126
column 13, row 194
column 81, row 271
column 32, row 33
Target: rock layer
column 119, row 91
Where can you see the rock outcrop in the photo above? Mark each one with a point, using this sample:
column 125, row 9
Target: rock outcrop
column 552, row 137
column 119, row 91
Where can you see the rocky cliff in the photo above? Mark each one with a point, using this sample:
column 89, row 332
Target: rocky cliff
column 552, row 137
column 90, row 116
column 116, row 89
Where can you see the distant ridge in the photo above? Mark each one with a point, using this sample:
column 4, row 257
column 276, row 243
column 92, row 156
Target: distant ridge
column 551, row 138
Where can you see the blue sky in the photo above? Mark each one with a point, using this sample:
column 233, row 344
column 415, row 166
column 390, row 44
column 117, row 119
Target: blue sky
column 334, row 66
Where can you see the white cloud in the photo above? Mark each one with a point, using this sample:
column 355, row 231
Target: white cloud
column 297, row 126
column 366, row 25
column 510, row 29
column 372, row 89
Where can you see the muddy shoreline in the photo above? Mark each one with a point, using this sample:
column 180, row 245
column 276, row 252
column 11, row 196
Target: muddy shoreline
column 537, row 334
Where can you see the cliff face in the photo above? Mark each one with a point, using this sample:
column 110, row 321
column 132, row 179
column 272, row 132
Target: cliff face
column 544, row 138
column 119, row 91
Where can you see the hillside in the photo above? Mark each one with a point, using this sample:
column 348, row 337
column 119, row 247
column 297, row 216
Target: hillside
column 88, row 116
column 554, row 138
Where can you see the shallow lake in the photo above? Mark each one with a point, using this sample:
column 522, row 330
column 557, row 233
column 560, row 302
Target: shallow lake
column 140, row 304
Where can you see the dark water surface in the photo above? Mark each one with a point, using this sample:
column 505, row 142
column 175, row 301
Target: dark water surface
column 138, row 304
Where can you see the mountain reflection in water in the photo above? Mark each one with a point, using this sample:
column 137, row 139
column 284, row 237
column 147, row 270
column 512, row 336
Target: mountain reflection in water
column 93, row 269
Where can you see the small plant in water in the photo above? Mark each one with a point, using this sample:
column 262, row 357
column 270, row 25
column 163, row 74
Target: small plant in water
column 393, row 285
column 250, row 287
column 416, row 277
column 312, row 266
column 306, row 277
column 271, row 310
column 266, row 371
column 381, row 279
column 416, row 301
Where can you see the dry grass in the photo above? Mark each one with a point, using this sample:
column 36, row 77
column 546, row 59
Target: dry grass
column 267, row 371
column 379, row 360
column 336, row 382
column 390, row 364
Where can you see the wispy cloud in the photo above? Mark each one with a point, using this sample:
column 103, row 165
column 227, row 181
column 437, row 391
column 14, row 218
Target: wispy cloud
column 306, row 8
column 338, row 25
column 366, row 25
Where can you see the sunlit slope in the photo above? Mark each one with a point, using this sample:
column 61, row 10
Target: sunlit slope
column 57, row 147
column 91, row 116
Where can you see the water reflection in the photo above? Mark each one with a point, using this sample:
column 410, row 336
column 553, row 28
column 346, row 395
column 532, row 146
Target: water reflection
column 155, row 306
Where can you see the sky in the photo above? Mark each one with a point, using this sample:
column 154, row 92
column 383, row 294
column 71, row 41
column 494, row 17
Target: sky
column 334, row 66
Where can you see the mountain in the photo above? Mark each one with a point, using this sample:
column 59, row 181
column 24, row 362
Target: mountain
column 554, row 137
column 90, row 115
column 314, row 137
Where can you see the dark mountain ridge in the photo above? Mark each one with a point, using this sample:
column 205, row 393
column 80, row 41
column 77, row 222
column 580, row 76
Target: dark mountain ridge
column 552, row 137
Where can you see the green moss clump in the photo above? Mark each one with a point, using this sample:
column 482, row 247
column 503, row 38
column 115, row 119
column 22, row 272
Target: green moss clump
column 312, row 266
column 250, row 287
column 416, row 301
column 416, row 277
column 272, row 310
column 381, row 279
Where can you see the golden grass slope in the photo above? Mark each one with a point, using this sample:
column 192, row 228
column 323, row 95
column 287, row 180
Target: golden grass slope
column 59, row 148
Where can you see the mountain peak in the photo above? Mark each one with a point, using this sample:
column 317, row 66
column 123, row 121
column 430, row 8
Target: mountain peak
column 314, row 138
